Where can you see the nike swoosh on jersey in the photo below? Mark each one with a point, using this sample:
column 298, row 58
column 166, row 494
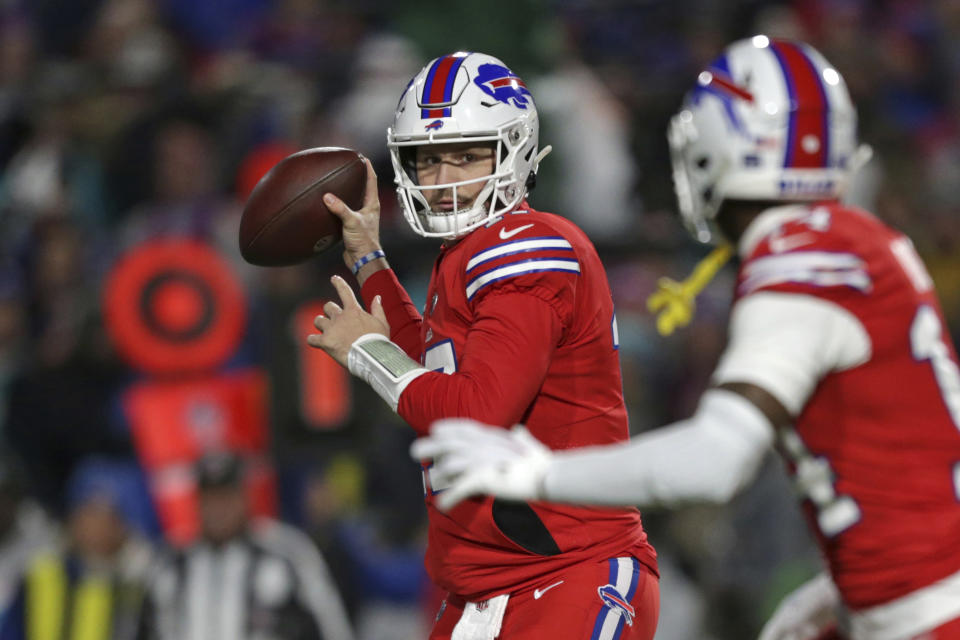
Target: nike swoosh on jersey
column 538, row 593
column 504, row 234
column 782, row 244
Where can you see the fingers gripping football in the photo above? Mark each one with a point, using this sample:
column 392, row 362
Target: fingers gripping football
column 340, row 326
column 474, row 459
column 361, row 227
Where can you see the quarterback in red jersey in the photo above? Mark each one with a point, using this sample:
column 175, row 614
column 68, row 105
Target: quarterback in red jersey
column 837, row 355
column 518, row 326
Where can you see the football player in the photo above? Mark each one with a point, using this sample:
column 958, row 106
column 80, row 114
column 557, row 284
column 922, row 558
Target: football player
column 518, row 327
column 837, row 355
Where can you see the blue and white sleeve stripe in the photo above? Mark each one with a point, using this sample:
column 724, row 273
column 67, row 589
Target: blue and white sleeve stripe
column 532, row 265
column 550, row 243
column 817, row 268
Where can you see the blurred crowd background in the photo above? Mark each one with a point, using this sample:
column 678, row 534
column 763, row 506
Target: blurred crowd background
column 128, row 122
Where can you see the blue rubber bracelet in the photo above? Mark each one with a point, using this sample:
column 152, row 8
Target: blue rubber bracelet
column 373, row 255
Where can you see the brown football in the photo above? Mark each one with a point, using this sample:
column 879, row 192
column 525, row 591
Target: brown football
column 285, row 220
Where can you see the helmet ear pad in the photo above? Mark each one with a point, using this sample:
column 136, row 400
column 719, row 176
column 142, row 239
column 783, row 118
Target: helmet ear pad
column 486, row 103
column 408, row 160
column 531, row 181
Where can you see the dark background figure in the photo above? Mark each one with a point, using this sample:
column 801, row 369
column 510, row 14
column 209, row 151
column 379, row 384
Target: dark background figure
column 96, row 576
column 244, row 577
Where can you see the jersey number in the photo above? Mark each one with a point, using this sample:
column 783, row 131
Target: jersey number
column 815, row 477
column 441, row 357
column 926, row 338
column 815, row 480
column 927, row 343
column 438, row 357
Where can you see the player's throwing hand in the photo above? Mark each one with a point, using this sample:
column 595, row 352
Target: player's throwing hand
column 361, row 228
column 471, row 458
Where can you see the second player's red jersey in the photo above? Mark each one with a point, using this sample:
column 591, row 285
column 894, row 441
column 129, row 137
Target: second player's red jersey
column 518, row 327
column 876, row 449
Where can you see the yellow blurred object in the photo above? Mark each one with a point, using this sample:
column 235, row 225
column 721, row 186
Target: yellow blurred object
column 49, row 593
column 46, row 597
column 675, row 302
column 92, row 605
column 346, row 477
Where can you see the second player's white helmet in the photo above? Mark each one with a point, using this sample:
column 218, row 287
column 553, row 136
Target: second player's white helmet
column 767, row 120
column 465, row 97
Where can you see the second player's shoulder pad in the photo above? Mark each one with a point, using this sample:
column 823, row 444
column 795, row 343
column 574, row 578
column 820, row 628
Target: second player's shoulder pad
column 822, row 249
column 515, row 248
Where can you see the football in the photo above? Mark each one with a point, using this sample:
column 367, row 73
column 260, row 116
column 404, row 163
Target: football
column 285, row 220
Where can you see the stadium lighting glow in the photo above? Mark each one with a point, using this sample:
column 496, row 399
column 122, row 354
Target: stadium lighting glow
column 761, row 42
column 831, row 76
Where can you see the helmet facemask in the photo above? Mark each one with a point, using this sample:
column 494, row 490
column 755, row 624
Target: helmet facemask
column 696, row 177
column 502, row 189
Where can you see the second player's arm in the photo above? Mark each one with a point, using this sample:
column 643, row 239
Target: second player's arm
column 781, row 345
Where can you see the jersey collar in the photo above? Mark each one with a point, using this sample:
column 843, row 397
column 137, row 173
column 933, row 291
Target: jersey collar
column 764, row 224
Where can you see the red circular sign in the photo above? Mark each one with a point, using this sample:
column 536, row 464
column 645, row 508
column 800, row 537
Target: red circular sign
column 174, row 306
column 177, row 305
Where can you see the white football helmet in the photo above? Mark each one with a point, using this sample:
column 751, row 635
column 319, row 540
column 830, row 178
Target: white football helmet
column 465, row 97
column 768, row 120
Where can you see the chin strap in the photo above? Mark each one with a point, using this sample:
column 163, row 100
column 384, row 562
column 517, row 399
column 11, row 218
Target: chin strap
column 532, row 176
column 674, row 302
column 861, row 156
column 540, row 156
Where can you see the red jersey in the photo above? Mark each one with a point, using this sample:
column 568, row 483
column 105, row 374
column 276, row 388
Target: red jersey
column 876, row 448
column 518, row 328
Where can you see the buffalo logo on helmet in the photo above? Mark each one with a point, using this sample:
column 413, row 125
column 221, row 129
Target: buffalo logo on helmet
column 612, row 598
column 433, row 126
column 502, row 85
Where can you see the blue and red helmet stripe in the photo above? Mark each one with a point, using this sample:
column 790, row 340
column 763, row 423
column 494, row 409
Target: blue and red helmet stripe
column 438, row 87
column 808, row 129
column 719, row 82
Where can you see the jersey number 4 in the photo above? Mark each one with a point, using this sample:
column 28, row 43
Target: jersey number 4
column 927, row 342
column 926, row 331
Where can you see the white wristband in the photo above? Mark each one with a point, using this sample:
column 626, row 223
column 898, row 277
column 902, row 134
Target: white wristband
column 383, row 365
